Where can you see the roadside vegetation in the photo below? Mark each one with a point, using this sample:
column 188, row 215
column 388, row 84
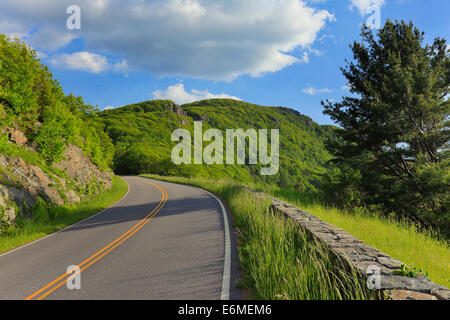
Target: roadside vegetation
column 46, row 219
column 402, row 240
column 421, row 249
column 280, row 261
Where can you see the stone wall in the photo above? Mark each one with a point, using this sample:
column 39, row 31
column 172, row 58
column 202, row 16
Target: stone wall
column 365, row 258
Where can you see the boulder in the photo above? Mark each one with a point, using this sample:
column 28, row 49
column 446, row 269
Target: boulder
column 17, row 137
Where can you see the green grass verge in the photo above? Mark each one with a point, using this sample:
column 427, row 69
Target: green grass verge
column 402, row 241
column 280, row 260
column 32, row 229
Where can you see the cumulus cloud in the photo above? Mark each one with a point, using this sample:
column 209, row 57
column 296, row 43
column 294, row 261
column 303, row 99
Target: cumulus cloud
column 13, row 29
column 41, row 55
column 364, row 6
column 210, row 39
column 313, row 91
column 47, row 38
column 179, row 95
column 121, row 66
column 85, row 61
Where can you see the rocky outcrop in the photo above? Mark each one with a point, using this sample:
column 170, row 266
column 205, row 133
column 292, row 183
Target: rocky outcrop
column 15, row 135
column 366, row 259
column 79, row 167
column 30, row 178
column 21, row 182
column 179, row 111
column 12, row 197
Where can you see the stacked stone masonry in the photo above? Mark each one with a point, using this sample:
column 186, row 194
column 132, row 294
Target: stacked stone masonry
column 364, row 258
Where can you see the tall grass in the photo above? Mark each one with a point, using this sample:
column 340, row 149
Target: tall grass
column 280, row 260
column 46, row 222
column 401, row 240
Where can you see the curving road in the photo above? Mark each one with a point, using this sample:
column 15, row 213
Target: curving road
column 161, row 241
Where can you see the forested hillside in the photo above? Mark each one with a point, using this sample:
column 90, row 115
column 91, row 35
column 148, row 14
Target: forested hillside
column 52, row 148
column 142, row 135
column 32, row 101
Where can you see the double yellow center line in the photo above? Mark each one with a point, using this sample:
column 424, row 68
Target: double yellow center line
column 61, row 280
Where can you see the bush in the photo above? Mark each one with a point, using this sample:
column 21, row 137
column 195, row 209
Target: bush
column 57, row 130
column 40, row 212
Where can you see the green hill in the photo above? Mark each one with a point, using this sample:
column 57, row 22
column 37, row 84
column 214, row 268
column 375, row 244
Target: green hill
column 142, row 135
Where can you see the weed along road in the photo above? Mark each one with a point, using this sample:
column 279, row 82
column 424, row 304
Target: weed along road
column 161, row 241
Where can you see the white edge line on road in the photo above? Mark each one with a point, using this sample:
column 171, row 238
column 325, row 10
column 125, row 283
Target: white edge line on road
column 68, row 227
column 227, row 263
column 226, row 279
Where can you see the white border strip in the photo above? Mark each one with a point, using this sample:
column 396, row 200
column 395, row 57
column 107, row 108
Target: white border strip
column 227, row 263
column 68, row 227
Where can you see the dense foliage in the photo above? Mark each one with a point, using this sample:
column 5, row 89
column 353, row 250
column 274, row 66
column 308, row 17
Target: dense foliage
column 393, row 148
column 142, row 136
column 32, row 101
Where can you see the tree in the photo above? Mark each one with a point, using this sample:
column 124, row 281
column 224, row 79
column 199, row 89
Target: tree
column 395, row 126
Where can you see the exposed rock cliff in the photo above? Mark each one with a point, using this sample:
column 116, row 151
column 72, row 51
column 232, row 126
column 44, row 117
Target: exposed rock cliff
column 179, row 111
column 77, row 166
column 69, row 181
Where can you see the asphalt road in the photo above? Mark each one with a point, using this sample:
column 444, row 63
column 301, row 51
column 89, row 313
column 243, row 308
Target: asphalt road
column 161, row 241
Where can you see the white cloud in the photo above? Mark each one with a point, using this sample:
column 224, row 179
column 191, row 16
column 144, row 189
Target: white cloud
column 109, row 108
column 121, row 66
column 364, row 6
column 85, row 61
column 316, row 52
column 179, row 95
column 13, row 29
column 313, row 91
column 41, row 55
column 51, row 39
column 305, row 58
column 211, row 39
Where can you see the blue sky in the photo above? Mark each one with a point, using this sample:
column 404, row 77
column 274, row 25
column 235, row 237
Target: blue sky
column 268, row 52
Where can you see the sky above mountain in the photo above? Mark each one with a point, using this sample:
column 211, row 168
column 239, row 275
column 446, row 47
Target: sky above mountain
column 268, row 52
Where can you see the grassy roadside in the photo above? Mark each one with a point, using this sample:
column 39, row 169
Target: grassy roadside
column 402, row 241
column 280, row 261
column 32, row 229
